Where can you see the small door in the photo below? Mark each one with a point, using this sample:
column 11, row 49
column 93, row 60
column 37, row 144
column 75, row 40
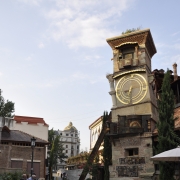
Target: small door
column 36, row 168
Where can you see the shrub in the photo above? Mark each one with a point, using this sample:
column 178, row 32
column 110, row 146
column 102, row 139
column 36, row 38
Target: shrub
column 10, row 176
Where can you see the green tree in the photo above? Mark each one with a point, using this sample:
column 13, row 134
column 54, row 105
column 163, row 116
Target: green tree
column 167, row 139
column 55, row 151
column 6, row 107
column 131, row 30
column 107, row 151
column 10, row 176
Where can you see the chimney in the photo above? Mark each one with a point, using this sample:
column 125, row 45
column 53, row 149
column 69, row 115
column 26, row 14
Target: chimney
column 175, row 71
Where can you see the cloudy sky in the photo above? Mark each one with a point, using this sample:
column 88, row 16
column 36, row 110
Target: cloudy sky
column 54, row 56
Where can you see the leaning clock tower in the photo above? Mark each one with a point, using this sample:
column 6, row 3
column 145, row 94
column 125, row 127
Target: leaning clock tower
column 134, row 106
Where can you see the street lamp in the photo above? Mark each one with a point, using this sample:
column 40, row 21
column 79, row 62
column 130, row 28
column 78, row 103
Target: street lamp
column 33, row 144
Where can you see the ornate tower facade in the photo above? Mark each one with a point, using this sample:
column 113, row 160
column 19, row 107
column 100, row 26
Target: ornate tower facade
column 134, row 106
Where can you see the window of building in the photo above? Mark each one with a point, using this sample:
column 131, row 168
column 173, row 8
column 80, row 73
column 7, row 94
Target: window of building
column 67, row 134
column 16, row 164
column 77, row 146
column 132, row 152
column 60, row 133
column 75, row 135
column 127, row 53
column 66, row 146
column 66, row 151
column 96, row 136
column 71, row 134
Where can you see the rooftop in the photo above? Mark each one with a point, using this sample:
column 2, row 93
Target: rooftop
column 141, row 37
column 30, row 120
column 70, row 127
column 18, row 136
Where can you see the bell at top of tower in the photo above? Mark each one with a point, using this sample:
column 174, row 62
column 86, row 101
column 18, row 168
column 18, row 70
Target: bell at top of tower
column 133, row 49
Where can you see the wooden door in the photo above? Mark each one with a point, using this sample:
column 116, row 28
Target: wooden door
column 36, row 168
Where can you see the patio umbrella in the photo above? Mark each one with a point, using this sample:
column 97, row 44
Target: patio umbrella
column 170, row 155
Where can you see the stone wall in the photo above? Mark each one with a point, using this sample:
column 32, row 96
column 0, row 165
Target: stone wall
column 132, row 167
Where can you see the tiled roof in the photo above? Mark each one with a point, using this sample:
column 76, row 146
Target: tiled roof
column 141, row 37
column 30, row 120
column 19, row 136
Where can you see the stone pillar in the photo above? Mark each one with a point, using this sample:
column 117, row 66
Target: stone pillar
column 175, row 71
column 112, row 90
column 136, row 56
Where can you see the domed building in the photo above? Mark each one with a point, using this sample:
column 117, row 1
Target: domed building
column 70, row 138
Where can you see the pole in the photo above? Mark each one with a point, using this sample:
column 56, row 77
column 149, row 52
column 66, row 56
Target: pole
column 32, row 161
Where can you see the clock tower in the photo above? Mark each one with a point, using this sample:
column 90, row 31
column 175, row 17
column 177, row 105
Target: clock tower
column 134, row 107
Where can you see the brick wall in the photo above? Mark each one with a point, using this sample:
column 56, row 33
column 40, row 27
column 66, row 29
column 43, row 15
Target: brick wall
column 9, row 151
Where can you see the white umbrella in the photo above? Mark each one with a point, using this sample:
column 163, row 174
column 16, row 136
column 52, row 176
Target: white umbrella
column 170, row 155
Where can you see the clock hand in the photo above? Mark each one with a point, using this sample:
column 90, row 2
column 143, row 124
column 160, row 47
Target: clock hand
column 130, row 89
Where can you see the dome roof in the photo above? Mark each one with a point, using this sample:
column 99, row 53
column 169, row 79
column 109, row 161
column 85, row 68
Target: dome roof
column 70, row 127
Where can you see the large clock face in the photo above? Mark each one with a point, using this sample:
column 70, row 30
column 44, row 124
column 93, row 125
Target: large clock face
column 131, row 89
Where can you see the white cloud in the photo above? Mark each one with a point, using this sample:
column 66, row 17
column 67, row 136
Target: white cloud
column 168, row 61
column 96, row 60
column 4, row 50
column 176, row 33
column 46, row 84
column 31, row 2
column 41, row 45
column 85, row 23
column 98, row 79
column 79, row 76
column 176, row 59
column 168, row 46
column 29, row 58
column 177, row 46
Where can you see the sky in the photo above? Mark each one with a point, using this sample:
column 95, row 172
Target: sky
column 54, row 56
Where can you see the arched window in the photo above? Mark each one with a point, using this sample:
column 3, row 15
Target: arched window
column 92, row 139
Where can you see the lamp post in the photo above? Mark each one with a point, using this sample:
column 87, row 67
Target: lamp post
column 33, row 144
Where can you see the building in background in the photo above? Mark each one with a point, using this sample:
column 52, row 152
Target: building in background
column 15, row 150
column 32, row 125
column 95, row 130
column 70, row 137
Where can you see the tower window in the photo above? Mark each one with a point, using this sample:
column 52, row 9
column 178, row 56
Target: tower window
column 132, row 152
column 127, row 53
column 128, row 56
